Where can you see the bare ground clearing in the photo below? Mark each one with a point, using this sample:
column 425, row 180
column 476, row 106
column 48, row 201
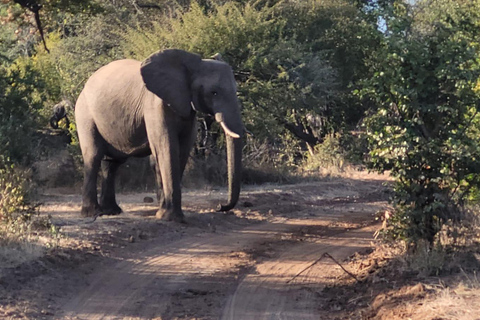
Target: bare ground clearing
column 260, row 261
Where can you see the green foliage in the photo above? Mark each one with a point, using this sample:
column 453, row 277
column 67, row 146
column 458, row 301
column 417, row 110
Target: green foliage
column 15, row 192
column 330, row 154
column 71, row 61
column 80, row 38
column 294, row 61
column 19, row 106
column 425, row 125
column 19, row 216
column 283, row 55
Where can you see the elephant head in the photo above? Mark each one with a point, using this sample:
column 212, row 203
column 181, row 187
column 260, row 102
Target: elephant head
column 184, row 82
column 60, row 112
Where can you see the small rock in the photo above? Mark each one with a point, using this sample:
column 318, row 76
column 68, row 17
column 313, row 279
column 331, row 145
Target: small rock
column 131, row 239
column 148, row 200
column 212, row 228
column 247, row 204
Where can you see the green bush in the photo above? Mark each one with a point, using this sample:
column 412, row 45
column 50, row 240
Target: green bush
column 293, row 60
column 15, row 193
column 328, row 155
column 283, row 54
column 425, row 125
column 19, row 105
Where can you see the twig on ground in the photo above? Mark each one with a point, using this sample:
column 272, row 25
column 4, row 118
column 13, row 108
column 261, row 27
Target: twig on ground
column 326, row 254
column 346, row 271
column 94, row 218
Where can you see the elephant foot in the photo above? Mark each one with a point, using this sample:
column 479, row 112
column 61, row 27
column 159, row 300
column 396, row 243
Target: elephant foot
column 91, row 211
column 170, row 215
column 111, row 210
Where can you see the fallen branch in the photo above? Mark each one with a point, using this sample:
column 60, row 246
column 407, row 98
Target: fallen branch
column 326, row 254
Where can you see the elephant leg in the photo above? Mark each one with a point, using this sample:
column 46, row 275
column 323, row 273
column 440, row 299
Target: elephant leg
column 108, row 203
column 187, row 140
column 158, row 181
column 163, row 136
column 92, row 151
column 90, row 206
column 173, row 165
column 169, row 173
column 165, row 133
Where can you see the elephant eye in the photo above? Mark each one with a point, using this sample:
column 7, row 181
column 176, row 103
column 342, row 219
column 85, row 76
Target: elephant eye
column 214, row 93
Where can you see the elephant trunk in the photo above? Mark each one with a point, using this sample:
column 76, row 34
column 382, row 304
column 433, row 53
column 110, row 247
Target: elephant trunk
column 54, row 122
column 234, row 161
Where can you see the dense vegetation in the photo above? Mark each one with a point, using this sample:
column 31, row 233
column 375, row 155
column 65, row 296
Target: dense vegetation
column 405, row 75
column 424, row 126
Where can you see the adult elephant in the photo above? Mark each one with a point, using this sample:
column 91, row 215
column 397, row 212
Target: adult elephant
column 132, row 108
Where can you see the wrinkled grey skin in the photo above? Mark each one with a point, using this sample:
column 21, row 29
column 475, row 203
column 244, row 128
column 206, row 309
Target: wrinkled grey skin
column 131, row 108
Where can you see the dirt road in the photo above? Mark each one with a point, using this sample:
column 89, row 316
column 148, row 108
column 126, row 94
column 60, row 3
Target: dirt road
column 269, row 259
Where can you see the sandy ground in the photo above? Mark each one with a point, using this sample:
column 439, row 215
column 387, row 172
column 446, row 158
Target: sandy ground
column 273, row 257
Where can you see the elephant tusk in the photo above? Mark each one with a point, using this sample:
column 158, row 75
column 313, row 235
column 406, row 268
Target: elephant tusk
column 193, row 106
column 228, row 131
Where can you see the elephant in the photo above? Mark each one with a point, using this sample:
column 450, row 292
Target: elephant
column 60, row 112
column 130, row 108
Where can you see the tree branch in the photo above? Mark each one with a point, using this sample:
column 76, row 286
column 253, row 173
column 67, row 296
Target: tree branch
column 326, row 254
column 149, row 6
column 299, row 131
column 34, row 7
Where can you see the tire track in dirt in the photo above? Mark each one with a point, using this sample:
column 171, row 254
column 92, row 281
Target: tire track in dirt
column 145, row 285
column 149, row 284
column 269, row 294
column 230, row 266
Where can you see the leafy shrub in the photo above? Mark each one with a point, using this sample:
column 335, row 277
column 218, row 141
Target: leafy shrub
column 293, row 59
column 328, row 155
column 18, row 111
column 19, row 217
column 15, row 192
column 426, row 123
column 282, row 53
column 71, row 61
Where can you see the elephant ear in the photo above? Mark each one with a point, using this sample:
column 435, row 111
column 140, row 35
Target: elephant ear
column 168, row 74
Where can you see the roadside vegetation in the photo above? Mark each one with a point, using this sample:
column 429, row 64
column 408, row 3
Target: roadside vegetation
column 326, row 86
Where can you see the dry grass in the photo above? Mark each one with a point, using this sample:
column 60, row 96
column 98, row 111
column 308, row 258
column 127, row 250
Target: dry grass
column 461, row 302
column 22, row 241
column 429, row 302
column 15, row 249
column 432, row 284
